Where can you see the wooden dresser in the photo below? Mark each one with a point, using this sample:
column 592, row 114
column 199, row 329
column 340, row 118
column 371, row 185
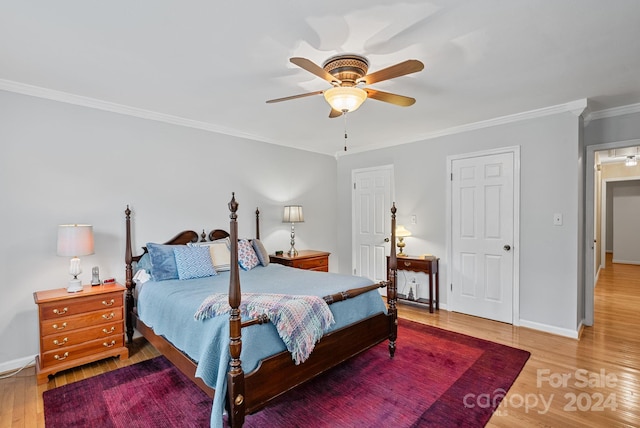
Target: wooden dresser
column 79, row 328
column 306, row 259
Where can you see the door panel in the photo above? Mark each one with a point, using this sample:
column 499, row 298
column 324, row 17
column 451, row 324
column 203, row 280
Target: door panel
column 372, row 224
column 482, row 228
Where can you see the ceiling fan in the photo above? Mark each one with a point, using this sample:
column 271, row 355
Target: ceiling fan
column 348, row 75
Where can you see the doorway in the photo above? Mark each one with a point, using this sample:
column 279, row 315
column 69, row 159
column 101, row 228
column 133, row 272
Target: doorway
column 594, row 250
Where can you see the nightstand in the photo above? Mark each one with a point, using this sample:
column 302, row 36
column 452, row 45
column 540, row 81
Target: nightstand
column 427, row 265
column 79, row 328
column 306, row 259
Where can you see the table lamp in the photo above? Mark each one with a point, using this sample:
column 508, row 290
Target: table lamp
column 293, row 214
column 75, row 240
column 401, row 233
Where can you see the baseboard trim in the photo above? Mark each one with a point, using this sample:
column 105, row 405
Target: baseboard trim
column 573, row 334
column 11, row 366
column 626, row 262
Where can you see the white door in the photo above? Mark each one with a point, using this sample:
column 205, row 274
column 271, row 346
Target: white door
column 483, row 207
column 371, row 201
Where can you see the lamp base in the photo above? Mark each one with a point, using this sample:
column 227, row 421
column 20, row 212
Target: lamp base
column 401, row 244
column 75, row 285
column 293, row 252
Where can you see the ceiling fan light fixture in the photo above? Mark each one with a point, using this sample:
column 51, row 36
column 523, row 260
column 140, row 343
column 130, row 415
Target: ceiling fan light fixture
column 345, row 98
column 631, row 161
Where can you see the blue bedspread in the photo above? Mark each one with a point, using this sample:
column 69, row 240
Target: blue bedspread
column 168, row 307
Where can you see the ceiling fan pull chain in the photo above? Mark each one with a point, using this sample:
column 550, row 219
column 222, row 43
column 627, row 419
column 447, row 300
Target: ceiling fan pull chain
column 344, row 113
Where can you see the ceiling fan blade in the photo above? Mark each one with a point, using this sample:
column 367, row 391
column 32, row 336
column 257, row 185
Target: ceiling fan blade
column 334, row 113
column 387, row 97
column 314, row 68
column 293, row 97
column 406, row 67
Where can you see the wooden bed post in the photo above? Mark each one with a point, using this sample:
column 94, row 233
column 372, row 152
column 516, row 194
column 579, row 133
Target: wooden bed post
column 257, row 223
column 235, row 376
column 392, row 289
column 128, row 257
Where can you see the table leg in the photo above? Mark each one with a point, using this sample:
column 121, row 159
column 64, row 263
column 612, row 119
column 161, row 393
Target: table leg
column 437, row 287
column 430, row 293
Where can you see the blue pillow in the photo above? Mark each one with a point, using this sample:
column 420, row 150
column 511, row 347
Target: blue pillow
column 144, row 263
column 193, row 262
column 163, row 262
column 261, row 252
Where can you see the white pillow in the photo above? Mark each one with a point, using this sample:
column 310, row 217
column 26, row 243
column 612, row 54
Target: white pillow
column 220, row 253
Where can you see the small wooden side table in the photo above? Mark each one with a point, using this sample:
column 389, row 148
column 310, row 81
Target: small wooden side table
column 306, row 259
column 79, row 328
column 427, row 265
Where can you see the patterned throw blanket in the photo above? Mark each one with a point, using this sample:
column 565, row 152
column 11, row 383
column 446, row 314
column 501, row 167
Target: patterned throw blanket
column 300, row 320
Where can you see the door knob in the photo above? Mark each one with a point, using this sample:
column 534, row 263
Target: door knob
column 386, row 239
column 507, row 247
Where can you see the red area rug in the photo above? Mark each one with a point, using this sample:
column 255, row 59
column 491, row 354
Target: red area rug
column 150, row 394
column 437, row 378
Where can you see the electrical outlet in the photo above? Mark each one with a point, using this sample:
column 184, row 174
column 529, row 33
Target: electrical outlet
column 557, row 219
column 414, row 219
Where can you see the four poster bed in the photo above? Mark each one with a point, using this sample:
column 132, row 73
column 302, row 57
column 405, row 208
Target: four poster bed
column 226, row 345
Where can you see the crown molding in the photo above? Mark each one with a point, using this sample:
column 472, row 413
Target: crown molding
column 615, row 111
column 65, row 97
column 577, row 107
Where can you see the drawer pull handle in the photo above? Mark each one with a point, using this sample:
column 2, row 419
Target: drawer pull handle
column 105, row 331
column 62, row 327
column 64, row 342
column 60, row 312
column 59, row 358
column 407, row 263
column 110, row 303
column 108, row 317
column 109, row 345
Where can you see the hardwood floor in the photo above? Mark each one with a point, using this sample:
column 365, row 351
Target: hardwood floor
column 594, row 381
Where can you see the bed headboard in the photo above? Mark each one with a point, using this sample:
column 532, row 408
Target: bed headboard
column 184, row 237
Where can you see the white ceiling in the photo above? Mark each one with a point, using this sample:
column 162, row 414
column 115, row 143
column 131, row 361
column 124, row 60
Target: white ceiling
column 212, row 64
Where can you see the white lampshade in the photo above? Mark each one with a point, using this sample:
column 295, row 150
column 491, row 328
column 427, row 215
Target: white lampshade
column 75, row 240
column 402, row 232
column 345, row 99
column 293, row 214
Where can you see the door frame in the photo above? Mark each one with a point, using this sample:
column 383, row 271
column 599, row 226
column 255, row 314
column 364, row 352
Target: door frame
column 515, row 150
column 589, row 248
column 603, row 218
column 388, row 167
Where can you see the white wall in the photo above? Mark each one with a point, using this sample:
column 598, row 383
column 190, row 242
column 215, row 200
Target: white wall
column 626, row 226
column 549, row 184
column 61, row 163
column 609, row 218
